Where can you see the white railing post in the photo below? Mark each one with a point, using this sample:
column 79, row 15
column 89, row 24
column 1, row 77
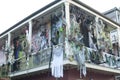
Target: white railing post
column 9, row 39
column 30, row 35
column 67, row 17
column 118, row 32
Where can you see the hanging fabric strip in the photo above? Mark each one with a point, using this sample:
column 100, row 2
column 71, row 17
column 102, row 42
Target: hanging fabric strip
column 80, row 58
column 57, row 63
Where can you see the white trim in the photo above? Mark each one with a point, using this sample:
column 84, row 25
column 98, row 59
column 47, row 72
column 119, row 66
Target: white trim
column 27, row 71
column 67, row 16
column 30, row 34
column 78, row 5
column 116, row 13
column 88, row 65
column 3, row 35
column 99, row 67
column 102, row 68
column 9, row 39
column 118, row 32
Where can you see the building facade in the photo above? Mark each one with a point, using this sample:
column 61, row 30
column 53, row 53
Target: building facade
column 65, row 40
column 113, row 14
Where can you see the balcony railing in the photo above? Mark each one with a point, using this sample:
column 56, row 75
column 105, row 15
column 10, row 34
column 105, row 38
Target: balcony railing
column 38, row 59
column 102, row 58
column 42, row 58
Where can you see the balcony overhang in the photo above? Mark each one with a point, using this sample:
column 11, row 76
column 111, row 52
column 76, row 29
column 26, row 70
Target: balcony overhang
column 90, row 66
column 99, row 68
column 34, row 70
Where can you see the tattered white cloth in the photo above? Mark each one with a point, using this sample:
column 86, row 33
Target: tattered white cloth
column 80, row 58
column 57, row 63
column 2, row 58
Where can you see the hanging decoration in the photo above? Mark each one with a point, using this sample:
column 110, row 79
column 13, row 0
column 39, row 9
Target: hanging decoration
column 58, row 28
column 57, row 63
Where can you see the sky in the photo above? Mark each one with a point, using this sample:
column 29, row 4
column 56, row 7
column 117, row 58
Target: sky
column 13, row 11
